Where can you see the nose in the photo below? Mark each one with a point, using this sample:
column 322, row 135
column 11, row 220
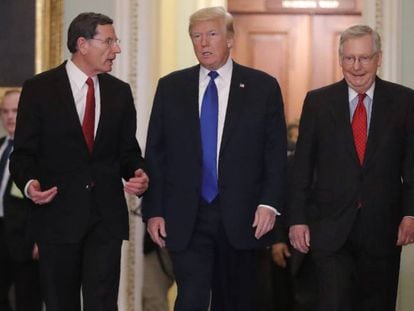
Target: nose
column 357, row 63
column 116, row 48
column 204, row 40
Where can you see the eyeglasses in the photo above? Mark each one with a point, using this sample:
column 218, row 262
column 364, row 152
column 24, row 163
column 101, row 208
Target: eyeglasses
column 363, row 60
column 110, row 42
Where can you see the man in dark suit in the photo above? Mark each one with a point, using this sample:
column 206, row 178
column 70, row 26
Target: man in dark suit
column 74, row 143
column 357, row 137
column 18, row 254
column 216, row 153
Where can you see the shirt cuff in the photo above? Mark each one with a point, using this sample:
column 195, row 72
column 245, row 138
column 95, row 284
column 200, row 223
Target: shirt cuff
column 409, row 216
column 26, row 193
column 271, row 208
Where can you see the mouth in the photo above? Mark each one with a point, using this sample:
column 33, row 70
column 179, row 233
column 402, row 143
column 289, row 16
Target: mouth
column 207, row 53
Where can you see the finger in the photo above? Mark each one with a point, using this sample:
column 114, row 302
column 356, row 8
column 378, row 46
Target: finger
column 307, row 238
column 153, row 231
column 286, row 252
column 256, row 220
column 139, row 172
column 280, row 261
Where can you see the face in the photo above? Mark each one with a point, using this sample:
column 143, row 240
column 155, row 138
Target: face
column 8, row 112
column 96, row 55
column 359, row 63
column 211, row 43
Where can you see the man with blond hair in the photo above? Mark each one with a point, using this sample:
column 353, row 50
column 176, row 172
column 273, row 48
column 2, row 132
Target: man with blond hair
column 216, row 153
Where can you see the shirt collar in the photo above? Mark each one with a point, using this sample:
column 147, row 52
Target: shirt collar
column 352, row 93
column 77, row 76
column 224, row 71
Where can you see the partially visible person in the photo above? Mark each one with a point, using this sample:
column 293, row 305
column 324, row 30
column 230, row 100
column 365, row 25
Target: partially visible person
column 357, row 136
column 18, row 254
column 292, row 137
column 292, row 277
column 158, row 276
column 74, row 143
column 216, row 153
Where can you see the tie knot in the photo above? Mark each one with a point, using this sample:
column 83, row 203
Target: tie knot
column 10, row 142
column 89, row 82
column 361, row 97
column 213, row 74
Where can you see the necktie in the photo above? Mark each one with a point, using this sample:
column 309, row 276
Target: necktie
column 208, row 126
column 359, row 128
column 4, row 157
column 88, row 124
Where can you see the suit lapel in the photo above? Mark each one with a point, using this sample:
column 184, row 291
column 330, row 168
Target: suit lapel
column 66, row 98
column 106, row 100
column 379, row 115
column 189, row 105
column 237, row 99
column 341, row 113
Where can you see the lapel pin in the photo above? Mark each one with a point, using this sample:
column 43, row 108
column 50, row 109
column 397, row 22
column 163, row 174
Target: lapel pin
column 241, row 85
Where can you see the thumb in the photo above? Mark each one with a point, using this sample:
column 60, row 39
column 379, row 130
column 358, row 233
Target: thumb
column 163, row 233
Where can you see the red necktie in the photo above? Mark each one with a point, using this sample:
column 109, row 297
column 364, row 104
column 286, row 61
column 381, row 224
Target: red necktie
column 88, row 124
column 359, row 128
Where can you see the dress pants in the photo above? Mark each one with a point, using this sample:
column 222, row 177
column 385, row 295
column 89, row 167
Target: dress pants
column 92, row 264
column 210, row 265
column 23, row 275
column 354, row 279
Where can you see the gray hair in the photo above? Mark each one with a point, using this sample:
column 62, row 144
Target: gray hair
column 358, row 31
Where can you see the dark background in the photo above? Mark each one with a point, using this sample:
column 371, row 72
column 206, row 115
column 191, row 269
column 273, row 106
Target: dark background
column 17, row 41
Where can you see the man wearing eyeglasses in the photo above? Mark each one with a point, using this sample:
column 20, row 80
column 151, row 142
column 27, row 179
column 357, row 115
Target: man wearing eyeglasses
column 357, row 137
column 74, row 143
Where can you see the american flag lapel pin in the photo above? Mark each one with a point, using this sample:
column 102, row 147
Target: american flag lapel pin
column 241, row 85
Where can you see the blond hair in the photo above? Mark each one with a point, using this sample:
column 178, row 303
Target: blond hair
column 212, row 13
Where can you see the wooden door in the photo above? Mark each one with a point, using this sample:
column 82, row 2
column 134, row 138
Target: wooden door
column 300, row 50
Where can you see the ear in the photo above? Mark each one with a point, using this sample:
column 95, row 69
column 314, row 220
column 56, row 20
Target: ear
column 82, row 45
column 230, row 42
column 379, row 59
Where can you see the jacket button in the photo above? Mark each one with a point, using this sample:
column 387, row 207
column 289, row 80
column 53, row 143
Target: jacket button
column 89, row 186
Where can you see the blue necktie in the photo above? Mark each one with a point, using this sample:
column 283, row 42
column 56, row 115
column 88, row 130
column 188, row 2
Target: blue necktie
column 208, row 126
column 5, row 157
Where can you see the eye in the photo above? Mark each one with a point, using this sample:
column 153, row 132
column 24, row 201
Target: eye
column 349, row 59
column 195, row 36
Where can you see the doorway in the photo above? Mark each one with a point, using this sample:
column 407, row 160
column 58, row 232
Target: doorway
column 298, row 46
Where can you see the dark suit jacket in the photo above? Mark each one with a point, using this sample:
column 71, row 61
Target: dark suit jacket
column 252, row 156
column 50, row 147
column 383, row 185
column 16, row 210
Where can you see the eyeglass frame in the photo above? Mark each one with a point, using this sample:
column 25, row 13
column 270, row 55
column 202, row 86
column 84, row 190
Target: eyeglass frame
column 363, row 60
column 109, row 42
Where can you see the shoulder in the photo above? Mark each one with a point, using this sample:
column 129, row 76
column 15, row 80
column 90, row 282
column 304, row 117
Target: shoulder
column 48, row 76
column 334, row 89
column 251, row 74
column 394, row 88
column 181, row 75
column 109, row 79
